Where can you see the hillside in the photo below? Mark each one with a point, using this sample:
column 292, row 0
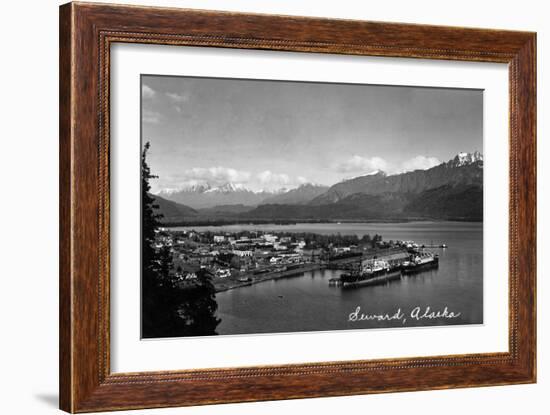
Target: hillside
column 465, row 168
column 446, row 202
column 355, row 207
column 451, row 190
column 302, row 194
column 172, row 211
column 449, row 202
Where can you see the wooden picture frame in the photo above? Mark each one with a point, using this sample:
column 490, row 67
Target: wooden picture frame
column 86, row 33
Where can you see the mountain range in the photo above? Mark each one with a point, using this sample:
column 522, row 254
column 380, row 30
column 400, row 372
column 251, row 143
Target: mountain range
column 465, row 168
column 208, row 196
column 299, row 196
column 450, row 190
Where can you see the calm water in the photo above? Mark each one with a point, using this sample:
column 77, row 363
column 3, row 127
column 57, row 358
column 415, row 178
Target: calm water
column 307, row 303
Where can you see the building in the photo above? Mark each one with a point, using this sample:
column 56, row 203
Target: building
column 223, row 273
column 279, row 247
column 187, row 272
column 342, row 249
column 269, row 238
column 243, row 252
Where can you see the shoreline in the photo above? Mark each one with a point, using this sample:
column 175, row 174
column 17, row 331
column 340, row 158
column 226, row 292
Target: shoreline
column 231, row 285
column 270, row 276
column 285, row 223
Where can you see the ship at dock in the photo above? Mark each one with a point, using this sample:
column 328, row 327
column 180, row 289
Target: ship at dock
column 371, row 272
column 421, row 261
column 381, row 270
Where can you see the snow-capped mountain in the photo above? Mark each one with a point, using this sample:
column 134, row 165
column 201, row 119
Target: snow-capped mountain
column 227, row 188
column 465, row 159
column 199, row 187
column 464, row 168
column 451, row 190
column 205, row 195
column 372, row 173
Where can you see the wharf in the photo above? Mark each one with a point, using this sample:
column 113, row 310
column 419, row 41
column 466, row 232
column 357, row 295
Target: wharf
column 382, row 279
column 230, row 283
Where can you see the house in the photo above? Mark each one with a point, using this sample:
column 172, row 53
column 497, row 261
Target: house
column 243, row 252
column 187, row 272
column 223, row 273
column 312, row 254
column 269, row 238
column 342, row 249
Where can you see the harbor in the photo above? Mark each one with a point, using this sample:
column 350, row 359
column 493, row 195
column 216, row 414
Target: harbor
column 232, row 260
column 307, row 302
column 395, row 261
column 381, row 269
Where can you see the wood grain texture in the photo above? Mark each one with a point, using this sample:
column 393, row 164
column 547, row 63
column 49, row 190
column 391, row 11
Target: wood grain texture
column 86, row 33
column 65, row 247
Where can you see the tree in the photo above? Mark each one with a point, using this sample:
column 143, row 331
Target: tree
column 198, row 308
column 169, row 308
column 153, row 314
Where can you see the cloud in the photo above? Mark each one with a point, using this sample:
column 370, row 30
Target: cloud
column 358, row 163
column 419, row 163
column 216, row 175
column 179, row 98
column 269, row 178
column 302, row 180
column 151, row 117
column 147, row 92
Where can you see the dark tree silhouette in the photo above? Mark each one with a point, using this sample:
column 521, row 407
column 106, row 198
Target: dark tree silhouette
column 169, row 308
column 152, row 313
column 199, row 306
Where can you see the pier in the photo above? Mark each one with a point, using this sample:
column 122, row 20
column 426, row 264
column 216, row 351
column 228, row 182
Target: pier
column 221, row 285
column 398, row 262
column 382, row 279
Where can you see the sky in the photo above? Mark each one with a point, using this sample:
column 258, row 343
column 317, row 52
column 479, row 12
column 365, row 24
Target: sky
column 265, row 135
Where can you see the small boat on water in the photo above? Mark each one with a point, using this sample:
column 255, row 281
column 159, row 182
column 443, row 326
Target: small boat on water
column 420, row 262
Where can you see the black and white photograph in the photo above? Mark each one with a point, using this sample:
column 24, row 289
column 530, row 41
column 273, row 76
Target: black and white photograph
column 275, row 206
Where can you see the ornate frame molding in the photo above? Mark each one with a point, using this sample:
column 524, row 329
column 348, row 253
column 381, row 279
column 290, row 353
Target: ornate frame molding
column 86, row 34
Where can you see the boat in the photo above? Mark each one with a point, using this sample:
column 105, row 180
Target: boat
column 374, row 272
column 420, row 262
column 334, row 282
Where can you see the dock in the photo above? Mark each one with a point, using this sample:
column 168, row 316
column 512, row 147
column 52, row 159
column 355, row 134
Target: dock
column 231, row 284
column 382, row 279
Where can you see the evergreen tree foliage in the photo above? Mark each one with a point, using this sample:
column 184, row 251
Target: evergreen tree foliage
column 170, row 308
